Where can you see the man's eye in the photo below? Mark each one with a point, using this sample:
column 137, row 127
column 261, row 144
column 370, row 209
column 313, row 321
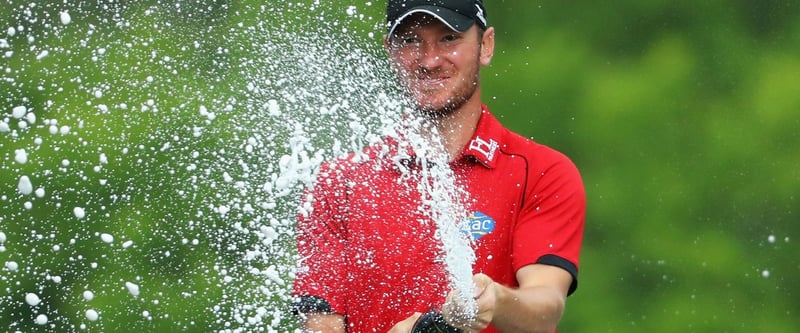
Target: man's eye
column 404, row 40
column 409, row 40
column 449, row 38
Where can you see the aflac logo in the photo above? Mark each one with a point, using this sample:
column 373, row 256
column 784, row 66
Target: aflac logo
column 480, row 225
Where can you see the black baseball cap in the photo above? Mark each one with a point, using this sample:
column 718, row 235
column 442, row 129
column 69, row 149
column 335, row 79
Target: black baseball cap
column 459, row 15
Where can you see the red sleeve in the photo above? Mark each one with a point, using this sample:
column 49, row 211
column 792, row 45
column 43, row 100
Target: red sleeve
column 321, row 241
column 549, row 229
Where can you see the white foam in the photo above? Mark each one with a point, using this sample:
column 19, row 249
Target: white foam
column 107, row 238
column 65, row 18
column 443, row 201
column 79, row 212
column 12, row 265
column 92, row 315
column 42, row 54
column 21, row 156
column 41, row 319
column 32, row 299
column 301, row 92
column 25, row 186
column 19, row 111
column 133, row 288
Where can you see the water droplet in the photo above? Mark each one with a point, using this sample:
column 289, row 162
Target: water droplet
column 65, row 18
column 41, row 319
column 32, row 299
column 92, row 315
column 79, row 212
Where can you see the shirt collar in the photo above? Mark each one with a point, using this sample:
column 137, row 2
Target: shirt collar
column 486, row 141
column 483, row 147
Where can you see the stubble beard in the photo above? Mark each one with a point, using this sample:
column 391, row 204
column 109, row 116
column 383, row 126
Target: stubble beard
column 460, row 95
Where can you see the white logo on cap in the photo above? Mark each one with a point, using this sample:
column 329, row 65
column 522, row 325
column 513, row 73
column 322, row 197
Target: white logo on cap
column 480, row 15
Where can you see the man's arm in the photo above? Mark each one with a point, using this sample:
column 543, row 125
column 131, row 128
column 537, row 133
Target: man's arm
column 323, row 323
column 321, row 243
column 536, row 306
column 538, row 303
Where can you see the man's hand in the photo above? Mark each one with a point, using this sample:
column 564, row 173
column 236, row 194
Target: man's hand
column 535, row 306
column 485, row 296
column 323, row 323
column 405, row 325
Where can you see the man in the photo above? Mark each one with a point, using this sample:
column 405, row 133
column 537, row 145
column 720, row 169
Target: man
column 369, row 259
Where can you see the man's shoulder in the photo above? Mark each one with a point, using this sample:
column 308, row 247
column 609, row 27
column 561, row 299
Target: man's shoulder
column 492, row 135
column 535, row 152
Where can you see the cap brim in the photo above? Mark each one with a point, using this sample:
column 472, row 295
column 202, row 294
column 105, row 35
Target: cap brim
column 450, row 18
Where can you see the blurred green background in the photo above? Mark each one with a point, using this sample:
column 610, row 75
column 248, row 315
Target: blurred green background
column 683, row 116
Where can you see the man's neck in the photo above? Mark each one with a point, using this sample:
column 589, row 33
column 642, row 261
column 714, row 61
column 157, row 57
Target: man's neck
column 458, row 127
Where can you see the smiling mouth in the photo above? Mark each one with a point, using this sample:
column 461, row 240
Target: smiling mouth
column 431, row 82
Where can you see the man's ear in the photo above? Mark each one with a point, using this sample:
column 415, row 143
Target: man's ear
column 487, row 46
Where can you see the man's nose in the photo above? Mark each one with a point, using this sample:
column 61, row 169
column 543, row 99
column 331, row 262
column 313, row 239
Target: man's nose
column 429, row 56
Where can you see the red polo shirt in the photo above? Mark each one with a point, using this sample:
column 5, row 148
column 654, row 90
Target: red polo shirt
column 369, row 254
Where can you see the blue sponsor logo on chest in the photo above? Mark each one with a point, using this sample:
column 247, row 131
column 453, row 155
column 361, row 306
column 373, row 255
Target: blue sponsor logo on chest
column 480, row 225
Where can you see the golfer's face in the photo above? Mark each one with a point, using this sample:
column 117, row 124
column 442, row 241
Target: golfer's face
column 437, row 65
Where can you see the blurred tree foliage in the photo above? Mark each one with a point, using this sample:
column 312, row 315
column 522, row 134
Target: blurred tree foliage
column 683, row 116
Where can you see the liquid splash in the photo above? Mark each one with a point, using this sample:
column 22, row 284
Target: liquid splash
column 153, row 153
